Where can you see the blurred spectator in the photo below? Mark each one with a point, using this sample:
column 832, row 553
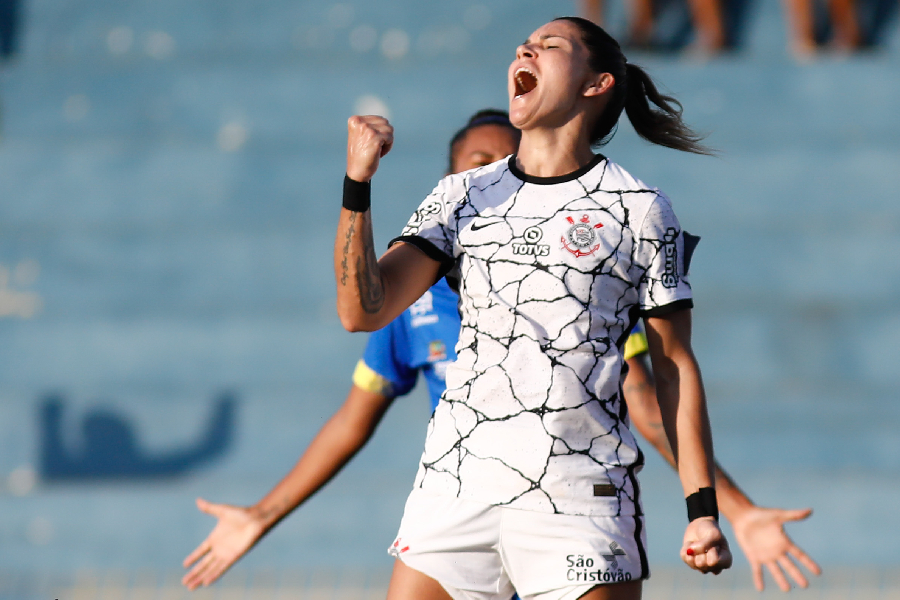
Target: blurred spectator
column 9, row 27
column 845, row 35
column 706, row 17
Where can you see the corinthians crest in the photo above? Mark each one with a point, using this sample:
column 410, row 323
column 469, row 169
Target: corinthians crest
column 581, row 238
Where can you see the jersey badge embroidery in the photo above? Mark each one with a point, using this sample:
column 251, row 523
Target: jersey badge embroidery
column 395, row 549
column 580, row 238
column 437, row 351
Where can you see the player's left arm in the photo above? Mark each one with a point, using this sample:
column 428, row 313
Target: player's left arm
column 682, row 403
column 759, row 530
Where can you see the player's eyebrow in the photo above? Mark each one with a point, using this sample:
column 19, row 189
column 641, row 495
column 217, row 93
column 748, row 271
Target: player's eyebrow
column 546, row 36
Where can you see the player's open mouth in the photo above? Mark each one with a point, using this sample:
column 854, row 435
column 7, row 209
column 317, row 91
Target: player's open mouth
column 525, row 81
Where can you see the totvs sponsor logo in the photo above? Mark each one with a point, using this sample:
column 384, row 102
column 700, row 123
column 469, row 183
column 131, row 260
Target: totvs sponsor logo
column 670, row 251
column 532, row 236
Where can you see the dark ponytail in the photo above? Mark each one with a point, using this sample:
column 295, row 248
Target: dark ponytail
column 634, row 92
column 661, row 125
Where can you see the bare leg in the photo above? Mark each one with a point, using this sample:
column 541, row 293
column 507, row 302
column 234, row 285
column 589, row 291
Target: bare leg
column 800, row 21
column 592, row 10
column 616, row 591
column 846, row 26
column 707, row 18
column 409, row 584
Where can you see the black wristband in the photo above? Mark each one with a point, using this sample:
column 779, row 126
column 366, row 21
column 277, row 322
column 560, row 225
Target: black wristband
column 702, row 504
column 357, row 194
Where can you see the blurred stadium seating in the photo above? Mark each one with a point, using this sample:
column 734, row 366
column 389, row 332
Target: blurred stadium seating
column 170, row 173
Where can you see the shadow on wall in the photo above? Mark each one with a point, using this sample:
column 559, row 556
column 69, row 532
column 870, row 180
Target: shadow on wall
column 10, row 11
column 110, row 449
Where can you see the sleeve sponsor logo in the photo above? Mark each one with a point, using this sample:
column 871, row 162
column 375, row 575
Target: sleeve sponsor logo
column 420, row 216
column 670, row 251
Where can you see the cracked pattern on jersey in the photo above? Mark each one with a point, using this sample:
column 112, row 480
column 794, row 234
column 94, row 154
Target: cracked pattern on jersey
column 552, row 278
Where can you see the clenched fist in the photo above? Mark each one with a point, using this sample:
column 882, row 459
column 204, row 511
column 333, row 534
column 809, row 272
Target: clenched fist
column 705, row 548
column 368, row 139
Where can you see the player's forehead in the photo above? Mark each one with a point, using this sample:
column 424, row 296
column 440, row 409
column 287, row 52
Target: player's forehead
column 560, row 30
column 494, row 141
column 490, row 135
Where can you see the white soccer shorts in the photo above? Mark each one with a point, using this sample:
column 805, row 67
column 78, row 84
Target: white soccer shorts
column 483, row 552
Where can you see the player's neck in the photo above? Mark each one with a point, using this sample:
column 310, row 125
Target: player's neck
column 553, row 152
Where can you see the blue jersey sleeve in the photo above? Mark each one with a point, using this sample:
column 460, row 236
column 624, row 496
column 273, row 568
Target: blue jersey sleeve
column 387, row 355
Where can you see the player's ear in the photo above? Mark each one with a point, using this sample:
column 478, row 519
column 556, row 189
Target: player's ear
column 599, row 84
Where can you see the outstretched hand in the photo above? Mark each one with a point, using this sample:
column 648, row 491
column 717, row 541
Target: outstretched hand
column 760, row 534
column 705, row 547
column 368, row 139
column 235, row 533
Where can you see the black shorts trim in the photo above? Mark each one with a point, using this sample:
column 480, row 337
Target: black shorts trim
column 639, row 513
column 430, row 250
column 666, row 309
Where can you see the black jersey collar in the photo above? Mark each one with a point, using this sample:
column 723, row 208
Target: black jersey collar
column 515, row 170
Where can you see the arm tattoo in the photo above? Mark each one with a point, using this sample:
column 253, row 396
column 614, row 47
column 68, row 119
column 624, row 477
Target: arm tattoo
column 368, row 277
column 351, row 229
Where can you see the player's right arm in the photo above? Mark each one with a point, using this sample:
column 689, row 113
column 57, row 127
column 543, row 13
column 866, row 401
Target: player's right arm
column 240, row 528
column 372, row 292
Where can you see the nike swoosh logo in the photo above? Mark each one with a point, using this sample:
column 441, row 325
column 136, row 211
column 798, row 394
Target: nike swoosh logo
column 475, row 227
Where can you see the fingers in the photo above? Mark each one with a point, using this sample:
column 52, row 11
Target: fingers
column 758, row 582
column 368, row 139
column 780, row 580
column 206, row 572
column 791, row 569
column 196, row 554
column 805, row 560
column 713, row 560
column 194, row 578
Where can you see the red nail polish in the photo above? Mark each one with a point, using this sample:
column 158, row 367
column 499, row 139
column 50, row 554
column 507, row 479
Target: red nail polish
column 690, row 551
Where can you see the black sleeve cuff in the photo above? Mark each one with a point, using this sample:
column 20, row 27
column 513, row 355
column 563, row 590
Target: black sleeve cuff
column 666, row 309
column 430, row 250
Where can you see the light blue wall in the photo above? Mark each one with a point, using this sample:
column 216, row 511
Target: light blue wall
column 170, row 270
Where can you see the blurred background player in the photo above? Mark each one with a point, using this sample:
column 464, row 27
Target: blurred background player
column 423, row 339
column 706, row 18
column 845, row 30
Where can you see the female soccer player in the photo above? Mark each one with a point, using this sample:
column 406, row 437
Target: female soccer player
column 422, row 340
column 527, row 481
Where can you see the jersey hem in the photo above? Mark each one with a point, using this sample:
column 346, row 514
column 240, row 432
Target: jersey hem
column 666, row 309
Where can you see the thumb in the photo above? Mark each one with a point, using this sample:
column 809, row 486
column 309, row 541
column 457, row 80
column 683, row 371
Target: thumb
column 209, row 508
column 796, row 515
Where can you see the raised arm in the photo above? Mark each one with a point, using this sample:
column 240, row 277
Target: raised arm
column 372, row 292
column 759, row 530
column 239, row 528
column 682, row 405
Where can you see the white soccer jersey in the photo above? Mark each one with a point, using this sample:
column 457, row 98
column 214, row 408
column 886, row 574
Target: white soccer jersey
column 553, row 273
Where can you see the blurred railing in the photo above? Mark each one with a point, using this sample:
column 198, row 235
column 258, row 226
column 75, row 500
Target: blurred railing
column 667, row 583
